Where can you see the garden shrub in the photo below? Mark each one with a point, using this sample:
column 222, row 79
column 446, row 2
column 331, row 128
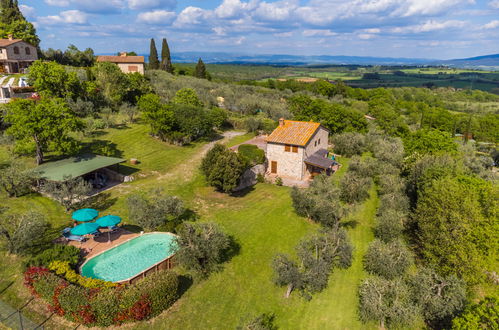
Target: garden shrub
column 62, row 268
column 252, row 154
column 65, row 253
column 104, row 306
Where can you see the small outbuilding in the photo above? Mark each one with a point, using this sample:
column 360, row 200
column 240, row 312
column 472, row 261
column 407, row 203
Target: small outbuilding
column 100, row 171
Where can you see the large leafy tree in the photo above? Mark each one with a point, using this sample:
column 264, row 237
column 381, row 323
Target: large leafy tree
column 223, row 168
column 42, row 126
column 457, row 226
column 153, row 56
column 112, row 82
column 166, row 60
column 482, row 315
column 51, row 79
column 424, row 142
column 202, row 247
column 187, row 96
column 159, row 116
column 13, row 22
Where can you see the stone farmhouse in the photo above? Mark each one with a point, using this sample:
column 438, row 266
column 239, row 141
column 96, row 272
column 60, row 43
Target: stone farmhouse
column 297, row 150
column 16, row 55
column 127, row 64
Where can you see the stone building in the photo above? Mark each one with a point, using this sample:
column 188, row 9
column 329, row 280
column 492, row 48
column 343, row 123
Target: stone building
column 127, row 64
column 16, row 55
column 297, row 150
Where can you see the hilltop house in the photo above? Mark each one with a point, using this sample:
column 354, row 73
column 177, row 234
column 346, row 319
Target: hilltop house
column 16, row 55
column 298, row 150
column 127, row 64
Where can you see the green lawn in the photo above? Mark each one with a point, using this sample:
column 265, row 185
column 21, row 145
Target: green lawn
column 262, row 222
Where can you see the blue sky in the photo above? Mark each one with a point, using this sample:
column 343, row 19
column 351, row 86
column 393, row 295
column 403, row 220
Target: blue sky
column 438, row 29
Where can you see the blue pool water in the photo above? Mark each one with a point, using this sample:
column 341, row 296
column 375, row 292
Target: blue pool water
column 130, row 258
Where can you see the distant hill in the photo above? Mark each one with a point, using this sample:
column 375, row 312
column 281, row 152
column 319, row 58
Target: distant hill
column 488, row 62
column 208, row 57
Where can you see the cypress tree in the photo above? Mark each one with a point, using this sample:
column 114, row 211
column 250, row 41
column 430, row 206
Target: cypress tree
column 153, row 56
column 166, row 60
column 200, row 71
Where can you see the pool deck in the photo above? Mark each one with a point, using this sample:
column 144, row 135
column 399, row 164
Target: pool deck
column 94, row 246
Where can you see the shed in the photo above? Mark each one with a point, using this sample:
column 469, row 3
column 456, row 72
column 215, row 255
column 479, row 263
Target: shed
column 80, row 166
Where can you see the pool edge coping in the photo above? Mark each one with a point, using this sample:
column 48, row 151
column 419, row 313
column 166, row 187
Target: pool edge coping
column 143, row 271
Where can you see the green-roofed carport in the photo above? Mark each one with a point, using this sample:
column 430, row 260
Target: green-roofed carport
column 73, row 167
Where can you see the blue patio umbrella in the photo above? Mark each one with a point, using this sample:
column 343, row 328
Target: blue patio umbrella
column 108, row 221
column 85, row 228
column 85, row 215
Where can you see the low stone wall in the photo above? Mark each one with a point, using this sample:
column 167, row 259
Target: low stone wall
column 249, row 177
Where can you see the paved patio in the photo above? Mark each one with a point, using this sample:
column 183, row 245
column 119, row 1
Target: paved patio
column 259, row 141
column 94, row 246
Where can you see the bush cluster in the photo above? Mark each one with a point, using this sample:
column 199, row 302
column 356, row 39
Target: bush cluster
column 63, row 269
column 105, row 306
column 62, row 253
column 252, row 154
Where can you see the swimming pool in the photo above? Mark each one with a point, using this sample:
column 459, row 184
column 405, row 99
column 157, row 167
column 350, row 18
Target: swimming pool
column 129, row 259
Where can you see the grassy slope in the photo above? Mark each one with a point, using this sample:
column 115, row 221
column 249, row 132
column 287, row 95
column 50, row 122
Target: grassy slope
column 262, row 222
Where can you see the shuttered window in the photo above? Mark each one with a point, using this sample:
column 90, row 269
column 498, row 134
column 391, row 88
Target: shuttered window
column 295, row 149
column 287, row 148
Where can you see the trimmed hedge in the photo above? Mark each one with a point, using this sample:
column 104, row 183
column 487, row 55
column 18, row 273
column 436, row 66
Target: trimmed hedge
column 252, row 154
column 104, row 306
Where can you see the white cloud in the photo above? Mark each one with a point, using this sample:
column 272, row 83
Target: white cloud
column 157, row 17
column 322, row 33
column 491, row 25
column 150, row 4
column 429, row 26
column 234, row 8
column 68, row 17
column 28, row 12
column 276, row 11
column 494, row 4
column 366, row 36
column 191, row 16
column 59, row 3
column 372, row 30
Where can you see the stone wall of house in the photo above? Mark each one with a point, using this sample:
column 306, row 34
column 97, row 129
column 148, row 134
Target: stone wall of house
column 125, row 67
column 8, row 52
column 289, row 164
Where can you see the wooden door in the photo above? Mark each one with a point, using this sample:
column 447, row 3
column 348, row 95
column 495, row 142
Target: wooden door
column 273, row 167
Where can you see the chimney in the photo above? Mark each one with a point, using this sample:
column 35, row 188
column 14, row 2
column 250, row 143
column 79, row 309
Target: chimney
column 123, row 54
column 281, row 122
column 10, row 37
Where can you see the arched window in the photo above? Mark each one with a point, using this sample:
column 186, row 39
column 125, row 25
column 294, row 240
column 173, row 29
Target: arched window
column 16, row 50
column 28, row 51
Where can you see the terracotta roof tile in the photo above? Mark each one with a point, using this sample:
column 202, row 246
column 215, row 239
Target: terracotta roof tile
column 121, row 59
column 294, row 132
column 8, row 42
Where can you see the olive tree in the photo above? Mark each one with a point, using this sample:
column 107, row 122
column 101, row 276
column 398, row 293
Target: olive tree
column 21, row 232
column 15, row 179
column 320, row 202
column 387, row 302
column 354, row 188
column 155, row 211
column 69, row 192
column 349, row 144
column 440, row 298
column 202, row 247
column 390, row 225
column 223, row 168
column 388, row 260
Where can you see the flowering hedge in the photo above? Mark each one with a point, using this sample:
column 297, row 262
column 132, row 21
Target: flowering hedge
column 104, row 306
column 63, row 269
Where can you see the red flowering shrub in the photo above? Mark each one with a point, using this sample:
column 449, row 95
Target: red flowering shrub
column 105, row 306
